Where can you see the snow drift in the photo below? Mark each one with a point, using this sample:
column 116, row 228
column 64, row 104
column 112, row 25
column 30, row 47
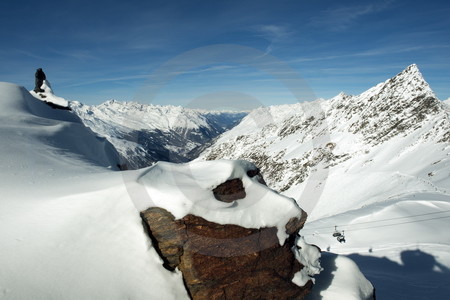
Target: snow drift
column 68, row 227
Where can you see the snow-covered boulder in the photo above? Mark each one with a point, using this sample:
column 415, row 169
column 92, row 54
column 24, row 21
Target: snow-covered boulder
column 239, row 245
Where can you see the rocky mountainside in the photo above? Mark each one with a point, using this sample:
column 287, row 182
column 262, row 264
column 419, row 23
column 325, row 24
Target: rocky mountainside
column 396, row 132
column 144, row 134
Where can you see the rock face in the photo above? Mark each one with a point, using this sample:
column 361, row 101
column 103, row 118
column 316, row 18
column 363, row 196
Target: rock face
column 227, row 261
column 39, row 78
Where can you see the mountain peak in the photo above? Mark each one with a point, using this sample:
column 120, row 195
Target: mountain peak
column 413, row 68
column 406, row 85
column 412, row 71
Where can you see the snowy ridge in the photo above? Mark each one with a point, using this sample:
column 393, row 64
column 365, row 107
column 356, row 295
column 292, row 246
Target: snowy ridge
column 52, row 131
column 68, row 227
column 146, row 133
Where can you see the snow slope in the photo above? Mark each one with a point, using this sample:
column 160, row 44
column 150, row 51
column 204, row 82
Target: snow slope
column 68, row 227
column 376, row 164
column 144, row 134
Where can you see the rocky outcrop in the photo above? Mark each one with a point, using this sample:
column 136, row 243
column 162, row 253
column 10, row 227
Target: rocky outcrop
column 39, row 78
column 230, row 190
column 228, row 261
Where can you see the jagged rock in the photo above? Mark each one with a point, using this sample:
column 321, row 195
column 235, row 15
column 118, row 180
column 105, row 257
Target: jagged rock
column 227, row 261
column 39, row 78
column 295, row 224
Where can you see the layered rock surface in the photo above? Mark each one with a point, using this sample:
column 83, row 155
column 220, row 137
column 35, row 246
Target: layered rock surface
column 226, row 261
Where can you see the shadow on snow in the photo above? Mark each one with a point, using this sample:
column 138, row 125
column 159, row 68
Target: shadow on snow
column 419, row 275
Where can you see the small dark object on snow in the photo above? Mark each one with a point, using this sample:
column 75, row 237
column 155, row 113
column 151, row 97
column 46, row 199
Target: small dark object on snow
column 336, row 233
column 39, row 80
column 339, row 235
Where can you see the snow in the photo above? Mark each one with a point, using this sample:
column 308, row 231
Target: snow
column 447, row 104
column 309, row 256
column 384, row 238
column 187, row 188
column 69, row 229
column 49, row 96
column 341, row 280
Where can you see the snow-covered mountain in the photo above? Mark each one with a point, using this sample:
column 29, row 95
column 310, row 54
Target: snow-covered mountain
column 380, row 133
column 144, row 134
column 376, row 165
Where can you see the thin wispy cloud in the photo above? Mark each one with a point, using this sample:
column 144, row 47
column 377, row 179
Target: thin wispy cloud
column 81, row 55
column 371, row 52
column 107, row 79
column 32, row 55
column 273, row 34
column 342, row 18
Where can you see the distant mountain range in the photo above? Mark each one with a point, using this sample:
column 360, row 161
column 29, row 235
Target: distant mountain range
column 144, row 134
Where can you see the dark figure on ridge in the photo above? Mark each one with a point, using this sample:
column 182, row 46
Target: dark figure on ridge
column 39, row 80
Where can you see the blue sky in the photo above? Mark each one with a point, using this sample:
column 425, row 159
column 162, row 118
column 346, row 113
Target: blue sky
column 194, row 53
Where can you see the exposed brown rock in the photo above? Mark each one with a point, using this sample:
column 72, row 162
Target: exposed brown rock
column 167, row 235
column 227, row 261
column 230, row 190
